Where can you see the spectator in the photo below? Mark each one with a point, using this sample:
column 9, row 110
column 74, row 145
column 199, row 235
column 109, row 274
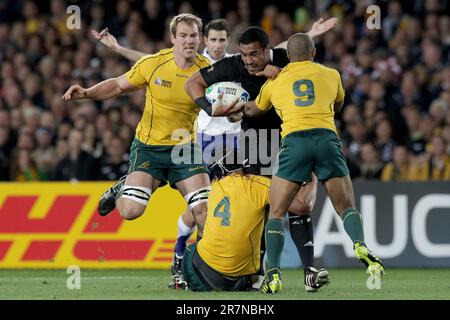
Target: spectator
column 115, row 162
column 5, row 154
column 44, row 156
column 416, row 138
column 383, row 141
column 438, row 112
column 78, row 165
column 371, row 165
column 436, row 165
column 446, row 137
column 358, row 137
column 401, row 168
column 31, row 15
column 24, row 168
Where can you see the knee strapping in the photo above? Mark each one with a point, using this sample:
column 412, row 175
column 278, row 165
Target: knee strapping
column 196, row 197
column 138, row 194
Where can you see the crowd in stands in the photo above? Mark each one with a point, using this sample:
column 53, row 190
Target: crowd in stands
column 395, row 124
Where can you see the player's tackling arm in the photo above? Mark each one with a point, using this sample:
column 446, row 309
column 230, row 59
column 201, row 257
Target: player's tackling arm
column 111, row 42
column 318, row 28
column 130, row 54
column 339, row 101
column 338, row 105
column 235, row 117
column 195, row 87
column 101, row 91
column 262, row 102
column 252, row 110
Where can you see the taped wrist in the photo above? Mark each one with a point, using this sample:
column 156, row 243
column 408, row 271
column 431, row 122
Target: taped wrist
column 204, row 104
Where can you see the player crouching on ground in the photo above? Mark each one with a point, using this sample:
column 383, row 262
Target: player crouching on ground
column 228, row 255
column 227, row 258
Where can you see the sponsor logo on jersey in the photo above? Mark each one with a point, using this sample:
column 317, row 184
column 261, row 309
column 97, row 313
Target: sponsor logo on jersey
column 144, row 165
column 196, row 168
column 163, row 83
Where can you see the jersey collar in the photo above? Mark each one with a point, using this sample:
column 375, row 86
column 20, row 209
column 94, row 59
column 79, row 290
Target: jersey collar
column 206, row 54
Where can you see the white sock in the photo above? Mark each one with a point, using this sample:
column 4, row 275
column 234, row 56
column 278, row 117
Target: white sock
column 183, row 229
column 258, row 281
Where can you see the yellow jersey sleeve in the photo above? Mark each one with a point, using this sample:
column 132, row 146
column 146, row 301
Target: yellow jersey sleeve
column 136, row 75
column 263, row 99
column 341, row 93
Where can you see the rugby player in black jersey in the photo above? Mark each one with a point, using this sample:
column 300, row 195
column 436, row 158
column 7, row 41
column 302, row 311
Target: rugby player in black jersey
column 250, row 68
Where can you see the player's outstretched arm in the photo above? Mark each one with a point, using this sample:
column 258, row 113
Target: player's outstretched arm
column 195, row 86
column 338, row 105
column 101, row 91
column 251, row 110
column 318, row 28
column 111, row 42
column 235, row 117
column 270, row 72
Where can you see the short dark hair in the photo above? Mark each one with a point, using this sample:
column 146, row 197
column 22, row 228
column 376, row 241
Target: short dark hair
column 300, row 47
column 218, row 25
column 254, row 34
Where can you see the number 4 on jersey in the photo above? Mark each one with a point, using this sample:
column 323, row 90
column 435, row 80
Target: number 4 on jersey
column 223, row 211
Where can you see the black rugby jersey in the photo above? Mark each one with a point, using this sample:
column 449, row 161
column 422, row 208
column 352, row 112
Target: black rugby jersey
column 232, row 68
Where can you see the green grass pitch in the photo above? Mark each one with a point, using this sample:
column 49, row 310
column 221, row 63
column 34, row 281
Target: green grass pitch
column 348, row 284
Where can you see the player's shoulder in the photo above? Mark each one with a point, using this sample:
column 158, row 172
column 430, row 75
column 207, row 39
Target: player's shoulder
column 259, row 180
column 279, row 52
column 157, row 58
column 202, row 61
column 279, row 57
column 327, row 69
column 226, row 67
column 231, row 59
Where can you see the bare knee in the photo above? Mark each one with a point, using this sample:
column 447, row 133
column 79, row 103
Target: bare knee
column 276, row 212
column 303, row 203
column 199, row 214
column 188, row 218
column 340, row 191
column 343, row 202
column 197, row 202
column 301, row 207
column 130, row 210
column 199, row 211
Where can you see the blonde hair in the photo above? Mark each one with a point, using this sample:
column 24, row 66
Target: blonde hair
column 187, row 18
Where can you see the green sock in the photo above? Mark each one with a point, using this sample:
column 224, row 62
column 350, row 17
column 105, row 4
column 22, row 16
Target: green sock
column 274, row 242
column 352, row 221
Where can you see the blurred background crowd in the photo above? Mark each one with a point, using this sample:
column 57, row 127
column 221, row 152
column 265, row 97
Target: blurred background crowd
column 395, row 124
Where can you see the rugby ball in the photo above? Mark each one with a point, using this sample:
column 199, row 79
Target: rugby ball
column 231, row 91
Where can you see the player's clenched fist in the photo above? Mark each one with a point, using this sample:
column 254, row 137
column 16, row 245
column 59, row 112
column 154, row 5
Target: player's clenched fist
column 75, row 92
